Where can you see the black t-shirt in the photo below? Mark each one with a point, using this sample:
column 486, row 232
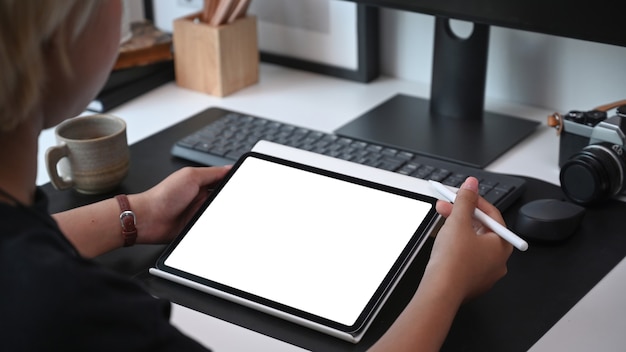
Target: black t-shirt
column 53, row 299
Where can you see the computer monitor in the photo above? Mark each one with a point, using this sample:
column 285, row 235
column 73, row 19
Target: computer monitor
column 453, row 124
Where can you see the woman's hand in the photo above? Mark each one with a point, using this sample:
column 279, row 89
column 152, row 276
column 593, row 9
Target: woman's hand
column 165, row 209
column 469, row 255
column 466, row 260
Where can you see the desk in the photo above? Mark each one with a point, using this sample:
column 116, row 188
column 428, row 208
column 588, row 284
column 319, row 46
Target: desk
column 324, row 103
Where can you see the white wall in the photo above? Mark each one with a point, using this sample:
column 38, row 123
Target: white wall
column 527, row 68
column 532, row 69
column 135, row 9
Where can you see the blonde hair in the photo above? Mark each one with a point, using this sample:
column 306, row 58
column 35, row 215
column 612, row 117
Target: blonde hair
column 28, row 28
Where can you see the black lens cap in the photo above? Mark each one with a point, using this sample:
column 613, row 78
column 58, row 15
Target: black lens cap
column 579, row 181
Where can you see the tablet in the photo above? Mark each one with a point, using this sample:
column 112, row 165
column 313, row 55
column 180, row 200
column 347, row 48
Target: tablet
column 312, row 246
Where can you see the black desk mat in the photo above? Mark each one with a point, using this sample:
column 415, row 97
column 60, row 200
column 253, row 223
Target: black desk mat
column 543, row 283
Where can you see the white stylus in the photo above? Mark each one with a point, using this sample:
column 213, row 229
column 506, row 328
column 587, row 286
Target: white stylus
column 498, row 228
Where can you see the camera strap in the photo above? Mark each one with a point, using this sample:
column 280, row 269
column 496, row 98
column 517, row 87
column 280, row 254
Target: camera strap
column 610, row 106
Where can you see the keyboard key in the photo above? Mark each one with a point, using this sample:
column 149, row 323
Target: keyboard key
column 494, row 195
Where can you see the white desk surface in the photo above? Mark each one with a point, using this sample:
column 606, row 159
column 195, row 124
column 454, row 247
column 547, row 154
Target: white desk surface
column 324, row 103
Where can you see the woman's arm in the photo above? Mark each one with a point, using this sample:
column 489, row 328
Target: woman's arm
column 161, row 212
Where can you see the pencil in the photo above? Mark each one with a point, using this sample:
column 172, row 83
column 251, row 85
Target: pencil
column 220, row 16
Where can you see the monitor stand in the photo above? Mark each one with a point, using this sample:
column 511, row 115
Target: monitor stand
column 452, row 125
column 405, row 122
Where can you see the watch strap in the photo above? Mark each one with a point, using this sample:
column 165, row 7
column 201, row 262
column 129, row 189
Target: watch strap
column 128, row 220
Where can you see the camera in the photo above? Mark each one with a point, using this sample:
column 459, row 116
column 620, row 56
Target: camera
column 592, row 154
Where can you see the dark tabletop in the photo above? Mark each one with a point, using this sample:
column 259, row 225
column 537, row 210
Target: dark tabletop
column 543, row 283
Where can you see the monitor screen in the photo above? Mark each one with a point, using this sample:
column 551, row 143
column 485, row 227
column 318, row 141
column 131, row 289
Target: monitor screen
column 587, row 20
column 454, row 116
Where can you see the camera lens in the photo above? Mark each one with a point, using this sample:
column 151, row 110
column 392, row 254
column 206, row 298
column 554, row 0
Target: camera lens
column 593, row 174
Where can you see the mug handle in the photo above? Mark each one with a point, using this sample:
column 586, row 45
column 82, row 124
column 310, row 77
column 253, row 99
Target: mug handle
column 53, row 156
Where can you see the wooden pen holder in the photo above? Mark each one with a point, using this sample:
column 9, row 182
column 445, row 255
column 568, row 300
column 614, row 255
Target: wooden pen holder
column 216, row 60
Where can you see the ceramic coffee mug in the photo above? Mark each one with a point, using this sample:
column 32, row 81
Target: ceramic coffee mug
column 92, row 154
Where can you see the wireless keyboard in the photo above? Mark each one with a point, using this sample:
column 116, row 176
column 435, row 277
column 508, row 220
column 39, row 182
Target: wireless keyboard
column 224, row 140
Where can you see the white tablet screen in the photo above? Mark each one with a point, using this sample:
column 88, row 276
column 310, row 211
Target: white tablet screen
column 312, row 242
